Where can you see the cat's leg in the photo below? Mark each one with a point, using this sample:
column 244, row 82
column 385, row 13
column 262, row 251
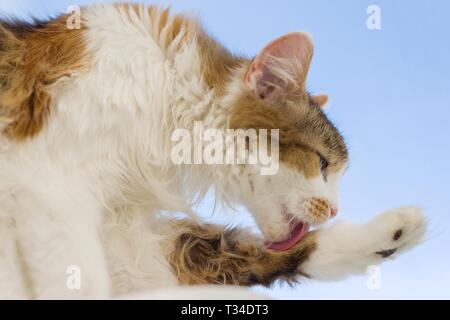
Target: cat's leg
column 205, row 254
column 344, row 249
column 210, row 254
column 12, row 283
column 58, row 237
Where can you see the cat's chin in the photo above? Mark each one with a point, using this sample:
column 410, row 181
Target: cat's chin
column 297, row 231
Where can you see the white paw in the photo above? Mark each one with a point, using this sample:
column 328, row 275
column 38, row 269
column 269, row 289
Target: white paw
column 344, row 249
column 397, row 230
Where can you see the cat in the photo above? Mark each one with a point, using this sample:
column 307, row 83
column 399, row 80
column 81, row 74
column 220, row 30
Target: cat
column 86, row 118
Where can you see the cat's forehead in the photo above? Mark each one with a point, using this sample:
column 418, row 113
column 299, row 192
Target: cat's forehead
column 304, row 130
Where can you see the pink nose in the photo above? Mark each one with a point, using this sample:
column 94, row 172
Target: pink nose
column 334, row 213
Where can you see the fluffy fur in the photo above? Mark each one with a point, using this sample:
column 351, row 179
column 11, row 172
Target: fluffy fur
column 85, row 168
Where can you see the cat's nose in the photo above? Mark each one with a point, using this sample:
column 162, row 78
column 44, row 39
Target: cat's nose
column 334, row 212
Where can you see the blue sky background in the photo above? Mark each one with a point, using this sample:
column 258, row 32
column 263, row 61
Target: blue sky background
column 390, row 96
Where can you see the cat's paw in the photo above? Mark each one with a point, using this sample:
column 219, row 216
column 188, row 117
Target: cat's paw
column 397, row 230
column 344, row 249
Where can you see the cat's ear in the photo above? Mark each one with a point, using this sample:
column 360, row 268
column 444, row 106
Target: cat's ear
column 320, row 100
column 281, row 66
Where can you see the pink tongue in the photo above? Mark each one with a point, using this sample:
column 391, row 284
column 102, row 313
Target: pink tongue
column 297, row 233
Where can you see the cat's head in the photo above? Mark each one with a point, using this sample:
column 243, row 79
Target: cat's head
column 271, row 94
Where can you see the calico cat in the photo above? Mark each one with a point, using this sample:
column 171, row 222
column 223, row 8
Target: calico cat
column 86, row 118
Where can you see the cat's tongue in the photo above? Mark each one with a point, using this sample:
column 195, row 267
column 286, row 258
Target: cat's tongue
column 297, row 233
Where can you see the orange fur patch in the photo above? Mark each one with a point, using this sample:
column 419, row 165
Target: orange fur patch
column 217, row 62
column 166, row 28
column 30, row 62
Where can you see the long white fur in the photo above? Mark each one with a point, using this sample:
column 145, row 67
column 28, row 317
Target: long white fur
column 88, row 190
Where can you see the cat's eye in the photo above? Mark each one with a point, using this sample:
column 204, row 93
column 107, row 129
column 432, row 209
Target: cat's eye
column 323, row 165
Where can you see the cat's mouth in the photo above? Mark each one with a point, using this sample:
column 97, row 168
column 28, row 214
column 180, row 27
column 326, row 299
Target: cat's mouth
column 297, row 230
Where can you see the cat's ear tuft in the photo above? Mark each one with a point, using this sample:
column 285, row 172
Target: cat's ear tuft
column 282, row 66
column 320, row 100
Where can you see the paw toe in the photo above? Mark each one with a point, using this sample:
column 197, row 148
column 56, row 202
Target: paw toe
column 398, row 234
column 386, row 253
column 400, row 229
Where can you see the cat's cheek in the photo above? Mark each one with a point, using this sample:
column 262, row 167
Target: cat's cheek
column 268, row 216
column 333, row 187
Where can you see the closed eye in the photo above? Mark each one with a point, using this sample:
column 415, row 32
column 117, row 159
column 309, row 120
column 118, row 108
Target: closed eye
column 323, row 166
